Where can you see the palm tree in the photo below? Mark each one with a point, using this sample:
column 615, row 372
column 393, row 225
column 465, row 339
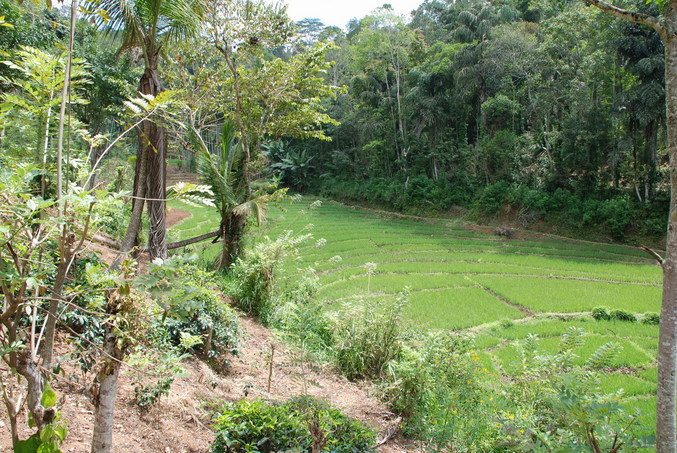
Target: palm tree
column 150, row 25
column 224, row 172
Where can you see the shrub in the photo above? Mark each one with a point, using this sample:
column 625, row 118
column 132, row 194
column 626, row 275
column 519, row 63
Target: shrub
column 601, row 313
column 437, row 386
column 651, row 318
column 200, row 311
column 507, row 323
column 303, row 424
column 190, row 316
column 367, row 336
column 253, row 277
column 492, row 198
column 255, row 426
column 300, row 318
column 622, row 315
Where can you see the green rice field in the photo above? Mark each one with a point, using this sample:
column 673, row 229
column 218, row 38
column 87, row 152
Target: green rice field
column 458, row 278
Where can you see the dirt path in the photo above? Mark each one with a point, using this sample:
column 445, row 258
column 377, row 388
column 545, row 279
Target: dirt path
column 175, row 216
column 179, row 423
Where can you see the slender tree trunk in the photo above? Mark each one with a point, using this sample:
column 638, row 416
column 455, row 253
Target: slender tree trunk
column 666, row 420
column 102, row 438
column 64, row 101
column 93, row 159
column 106, row 381
column 28, row 367
column 66, row 255
column 131, row 236
column 66, row 240
column 650, row 132
column 244, row 137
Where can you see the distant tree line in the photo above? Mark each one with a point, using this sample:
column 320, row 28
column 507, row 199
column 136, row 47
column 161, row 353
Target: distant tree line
column 553, row 108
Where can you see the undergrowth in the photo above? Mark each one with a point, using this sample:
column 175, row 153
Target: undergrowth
column 302, row 424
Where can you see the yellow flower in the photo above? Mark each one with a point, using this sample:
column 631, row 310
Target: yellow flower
column 454, row 411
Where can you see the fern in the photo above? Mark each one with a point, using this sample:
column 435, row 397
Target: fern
column 604, row 355
column 191, row 194
column 526, row 351
column 571, row 339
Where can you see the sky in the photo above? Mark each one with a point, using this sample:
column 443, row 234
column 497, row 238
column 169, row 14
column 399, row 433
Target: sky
column 339, row 12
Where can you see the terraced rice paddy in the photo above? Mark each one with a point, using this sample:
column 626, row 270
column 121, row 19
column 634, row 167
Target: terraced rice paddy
column 500, row 289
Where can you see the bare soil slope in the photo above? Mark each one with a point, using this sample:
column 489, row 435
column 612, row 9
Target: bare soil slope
column 180, row 422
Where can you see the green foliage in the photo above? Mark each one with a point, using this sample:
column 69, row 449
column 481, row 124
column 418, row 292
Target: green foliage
column 291, row 166
column 148, row 395
column 420, row 194
column 601, row 313
column 450, row 259
column 604, row 355
column 622, row 315
column 368, row 336
column 301, row 317
column 295, row 425
column 191, row 305
column 651, row 318
column 442, row 388
column 253, row 278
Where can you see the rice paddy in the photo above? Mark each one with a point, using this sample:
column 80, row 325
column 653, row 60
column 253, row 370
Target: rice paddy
column 460, row 278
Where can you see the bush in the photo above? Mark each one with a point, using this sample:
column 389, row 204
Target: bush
column 622, row 315
column 367, row 336
column 205, row 314
column 303, row 424
column 190, row 314
column 601, row 313
column 253, row 277
column 300, row 318
column 651, row 318
column 437, row 386
column 492, row 198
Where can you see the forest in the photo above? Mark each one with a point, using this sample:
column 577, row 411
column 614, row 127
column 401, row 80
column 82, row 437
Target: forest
column 460, row 218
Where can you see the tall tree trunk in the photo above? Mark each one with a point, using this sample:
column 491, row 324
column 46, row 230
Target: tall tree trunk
column 104, row 399
column 153, row 139
column 150, row 177
column 650, row 143
column 64, row 100
column 156, row 191
column 666, row 420
column 244, row 137
column 66, row 240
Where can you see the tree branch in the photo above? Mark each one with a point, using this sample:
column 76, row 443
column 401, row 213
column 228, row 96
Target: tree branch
column 654, row 254
column 185, row 242
column 644, row 19
column 108, row 242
